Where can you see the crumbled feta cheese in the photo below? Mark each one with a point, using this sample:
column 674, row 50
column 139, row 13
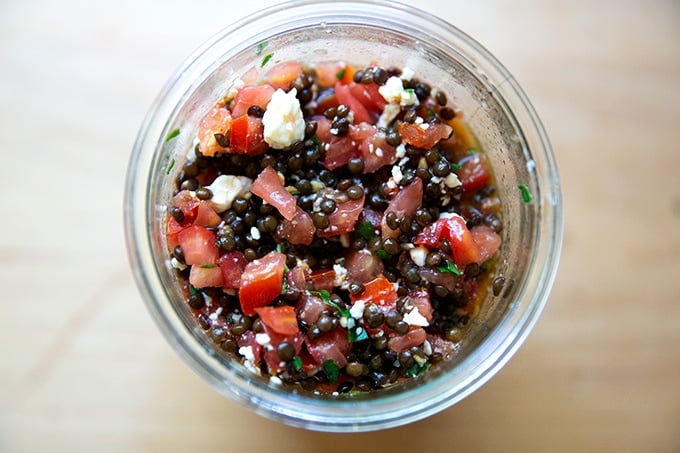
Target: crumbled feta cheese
column 388, row 115
column 247, row 352
column 419, row 120
column 340, row 275
column 357, row 310
column 283, row 120
column 262, row 338
column 401, row 151
column 436, row 179
column 379, row 152
column 255, row 233
column 226, row 188
column 407, row 73
column 213, row 316
column 174, row 262
column 452, row 180
column 394, row 93
column 397, row 174
column 424, row 126
column 275, row 380
column 427, row 348
column 208, row 300
column 418, row 255
column 414, row 318
column 351, row 322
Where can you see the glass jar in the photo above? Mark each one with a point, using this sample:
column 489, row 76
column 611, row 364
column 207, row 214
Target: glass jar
column 360, row 32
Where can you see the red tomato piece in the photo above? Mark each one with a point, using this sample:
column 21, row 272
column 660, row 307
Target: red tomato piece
column 232, row 265
column 421, row 300
column 269, row 187
column 206, row 215
column 332, row 345
column 261, row 282
column 425, row 135
column 322, row 279
column 473, row 173
column 330, row 72
column 296, row 278
column 247, row 136
column 465, row 249
column 378, row 291
column 187, row 203
column 284, row 74
column 198, row 245
column 405, row 202
column 369, row 97
column 172, row 230
column 372, row 146
column 339, row 150
column 248, row 96
column 362, row 266
column 325, row 100
column 216, row 121
column 281, row 320
column 202, row 276
column 343, row 219
column 299, row 231
column 401, row 343
column 344, row 96
column 487, row 240
column 271, row 356
column 309, row 308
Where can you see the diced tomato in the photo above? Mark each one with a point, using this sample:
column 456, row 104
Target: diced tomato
column 369, row 96
column 296, row 278
column 421, row 300
column 424, row 136
column 405, row 202
column 345, row 96
column 487, row 240
column 339, row 150
column 247, row 136
column 187, row 203
column 401, row 343
column 437, row 277
column 332, row 345
column 371, row 216
column 172, row 231
column 372, row 147
column 206, row 215
column 248, row 96
column 322, row 279
column 217, row 121
column 440, row 345
column 309, row 308
column 271, row 356
column 330, row 72
column 299, row 231
column 261, row 282
column 462, row 139
column 198, row 245
column 362, row 266
column 202, row 276
column 325, row 100
column 343, row 219
column 378, row 291
column 269, row 187
column 473, row 173
column 284, row 74
column 232, row 265
column 465, row 249
column 282, row 320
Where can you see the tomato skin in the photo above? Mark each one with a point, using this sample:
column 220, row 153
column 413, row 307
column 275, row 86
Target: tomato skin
column 378, row 291
column 322, row 279
column 206, row 215
column 345, row 96
column 172, row 230
column 232, row 265
column 416, row 135
column 372, row 147
column 261, row 282
column 369, row 96
column 188, row 204
column 473, row 173
column 247, row 136
column 198, row 245
column 216, row 121
column 454, row 229
column 344, row 218
column 248, row 96
column 362, row 266
column 405, row 203
column 332, row 345
column 202, row 277
column 299, row 231
column 281, row 320
column 401, row 343
column 487, row 240
column 269, row 187
column 284, row 74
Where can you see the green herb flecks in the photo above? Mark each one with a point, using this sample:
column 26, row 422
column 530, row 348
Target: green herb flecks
column 208, row 266
column 382, row 254
column 266, row 59
column 410, row 91
column 450, row 268
column 416, row 369
column 170, row 165
column 364, row 230
column 260, row 47
column 193, row 291
column 297, row 363
column 326, row 298
column 455, row 167
column 340, row 74
column 526, row 193
column 332, row 370
column 174, row 133
column 284, row 287
column 282, row 247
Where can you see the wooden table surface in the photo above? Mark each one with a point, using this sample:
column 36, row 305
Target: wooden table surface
column 83, row 367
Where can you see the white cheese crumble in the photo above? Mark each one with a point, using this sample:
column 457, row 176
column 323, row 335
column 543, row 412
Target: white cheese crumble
column 388, row 115
column 401, row 151
column 283, row 120
column 275, row 380
column 357, row 310
column 379, row 152
column 407, row 73
column 226, row 188
column 397, row 174
column 262, row 338
column 255, row 233
column 174, row 262
column 427, row 348
column 452, row 180
column 340, row 275
column 394, row 93
column 247, row 352
column 414, row 318
column 418, row 255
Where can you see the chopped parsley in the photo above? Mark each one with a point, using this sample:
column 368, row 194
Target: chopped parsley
column 450, row 268
column 526, row 193
column 266, row 59
column 382, row 254
column 297, row 363
column 410, row 91
column 174, row 133
column 364, row 230
column 455, row 166
column 326, row 297
column 208, row 266
column 284, row 286
column 332, row 370
column 416, row 369
column 193, row 291
column 260, row 47
column 170, row 165
column 281, row 247
column 340, row 74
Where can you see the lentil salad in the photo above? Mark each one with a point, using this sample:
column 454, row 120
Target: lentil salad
column 335, row 227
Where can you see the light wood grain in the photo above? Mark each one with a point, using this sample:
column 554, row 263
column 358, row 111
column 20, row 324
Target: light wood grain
column 83, row 367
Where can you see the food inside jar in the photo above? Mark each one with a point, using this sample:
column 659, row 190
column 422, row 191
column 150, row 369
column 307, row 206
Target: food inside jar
column 335, row 227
